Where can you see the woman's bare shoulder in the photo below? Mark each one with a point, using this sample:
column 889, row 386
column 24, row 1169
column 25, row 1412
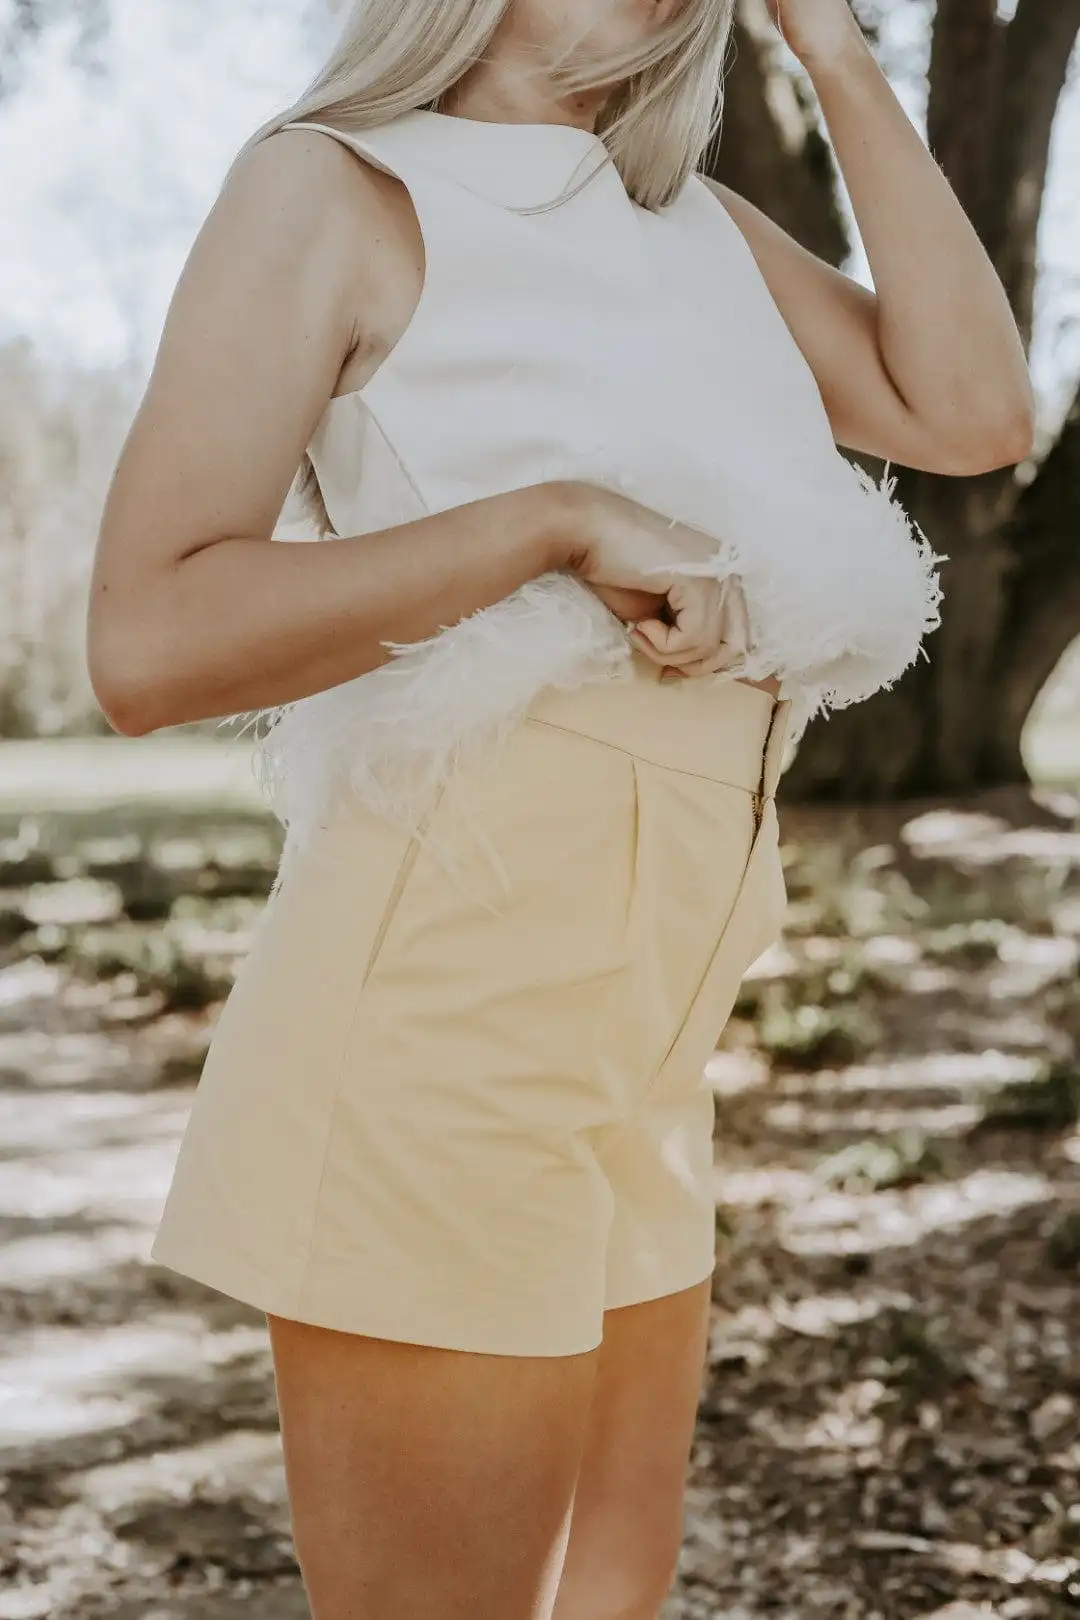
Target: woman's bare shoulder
column 304, row 211
column 298, row 186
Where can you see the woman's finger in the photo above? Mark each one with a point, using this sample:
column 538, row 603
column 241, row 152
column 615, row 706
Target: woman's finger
column 663, row 638
column 644, row 645
column 690, row 639
column 709, row 666
column 660, row 643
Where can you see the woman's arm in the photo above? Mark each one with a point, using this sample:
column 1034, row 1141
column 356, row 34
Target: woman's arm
column 928, row 371
column 193, row 612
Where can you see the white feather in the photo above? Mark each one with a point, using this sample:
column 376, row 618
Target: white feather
column 393, row 736
column 840, row 588
column 840, row 592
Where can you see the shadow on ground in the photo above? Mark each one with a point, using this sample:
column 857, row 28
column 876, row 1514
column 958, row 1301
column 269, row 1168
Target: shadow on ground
column 890, row 1427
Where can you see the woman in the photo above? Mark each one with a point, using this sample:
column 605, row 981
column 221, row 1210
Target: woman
column 556, row 394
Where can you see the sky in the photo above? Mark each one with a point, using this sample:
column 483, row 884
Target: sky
column 106, row 175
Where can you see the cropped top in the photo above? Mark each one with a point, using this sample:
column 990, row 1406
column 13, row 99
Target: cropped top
column 602, row 342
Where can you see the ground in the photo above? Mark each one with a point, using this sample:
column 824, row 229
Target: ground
column 890, row 1424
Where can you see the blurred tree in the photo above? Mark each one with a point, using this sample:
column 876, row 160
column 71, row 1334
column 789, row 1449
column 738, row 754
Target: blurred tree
column 60, row 431
column 996, row 77
column 24, row 21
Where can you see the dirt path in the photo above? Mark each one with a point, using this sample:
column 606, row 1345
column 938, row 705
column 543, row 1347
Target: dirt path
column 891, row 1424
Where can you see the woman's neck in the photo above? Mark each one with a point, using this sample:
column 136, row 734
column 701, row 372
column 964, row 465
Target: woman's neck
column 504, row 91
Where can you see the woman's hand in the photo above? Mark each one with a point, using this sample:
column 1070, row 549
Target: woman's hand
column 632, row 558
column 632, row 607
column 816, row 29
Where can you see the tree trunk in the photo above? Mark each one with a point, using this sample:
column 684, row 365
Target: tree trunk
column 1043, row 611
column 932, row 733
column 1033, row 68
column 772, row 153
column 1012, row 579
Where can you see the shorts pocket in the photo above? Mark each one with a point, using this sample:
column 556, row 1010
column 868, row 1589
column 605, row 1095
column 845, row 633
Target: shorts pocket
column 694, row 842
column 752, row 924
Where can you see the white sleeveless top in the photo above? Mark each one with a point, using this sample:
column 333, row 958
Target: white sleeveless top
column 598, row 341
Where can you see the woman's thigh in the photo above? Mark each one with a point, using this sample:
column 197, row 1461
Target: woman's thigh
column 428, row 1483
column 627, row 1523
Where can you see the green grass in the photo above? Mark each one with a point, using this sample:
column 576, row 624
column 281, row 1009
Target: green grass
column 106, row 780
column 94, row 772
column 74, row 788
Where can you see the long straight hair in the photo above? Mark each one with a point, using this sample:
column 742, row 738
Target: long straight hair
column 394, row 56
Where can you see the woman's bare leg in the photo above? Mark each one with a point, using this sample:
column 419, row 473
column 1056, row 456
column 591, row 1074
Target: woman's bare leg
column 627, row 1524
column 428, row 1484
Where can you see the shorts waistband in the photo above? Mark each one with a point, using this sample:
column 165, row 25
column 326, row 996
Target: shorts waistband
column 722, row 730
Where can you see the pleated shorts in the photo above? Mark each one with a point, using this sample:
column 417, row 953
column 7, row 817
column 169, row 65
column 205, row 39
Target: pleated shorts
column 461, row 1102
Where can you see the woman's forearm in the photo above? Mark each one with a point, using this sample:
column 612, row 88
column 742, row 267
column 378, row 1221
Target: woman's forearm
column 946, row 332
column 247, row 624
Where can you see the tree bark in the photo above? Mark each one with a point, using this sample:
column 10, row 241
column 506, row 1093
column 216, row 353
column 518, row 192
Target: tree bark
column 1043, row 616
column 964, row 58
column 1038, row 47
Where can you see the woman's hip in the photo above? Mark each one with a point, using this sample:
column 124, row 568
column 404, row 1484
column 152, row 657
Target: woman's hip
column 724, row 731
column 578, row 882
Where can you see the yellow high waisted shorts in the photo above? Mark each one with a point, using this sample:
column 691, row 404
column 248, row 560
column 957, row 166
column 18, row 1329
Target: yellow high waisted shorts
column 459, row 1106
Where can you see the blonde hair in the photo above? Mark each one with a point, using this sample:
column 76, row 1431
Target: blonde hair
column 396, row 56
